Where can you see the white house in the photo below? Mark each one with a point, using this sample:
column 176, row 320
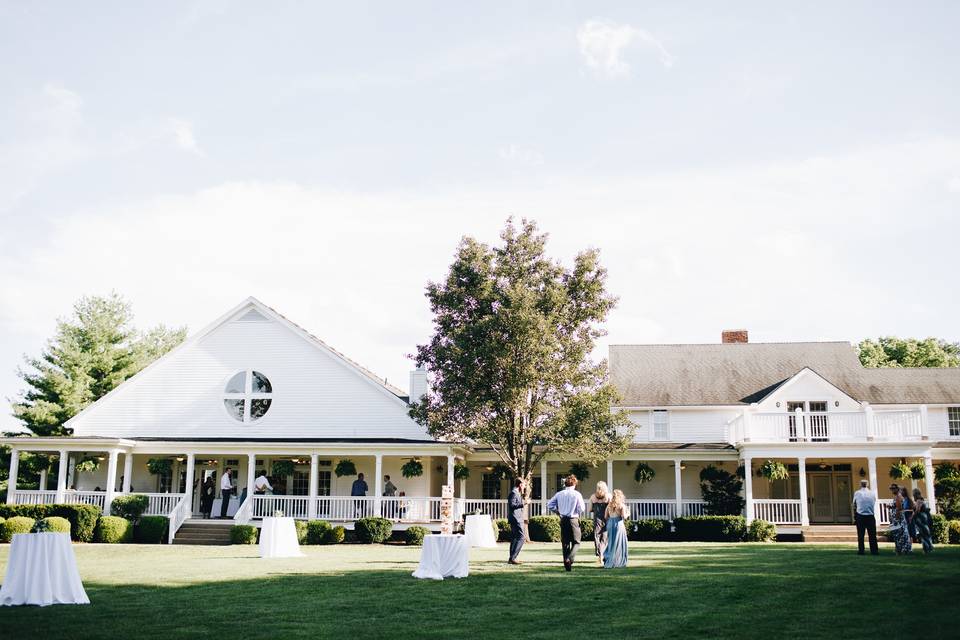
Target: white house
column 254, row 389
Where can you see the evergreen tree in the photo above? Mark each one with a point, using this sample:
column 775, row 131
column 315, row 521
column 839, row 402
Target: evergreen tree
column 721, row 492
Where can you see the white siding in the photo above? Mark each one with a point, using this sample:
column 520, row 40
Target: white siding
column 688, row 424
column 316, row 394
column 808, row 386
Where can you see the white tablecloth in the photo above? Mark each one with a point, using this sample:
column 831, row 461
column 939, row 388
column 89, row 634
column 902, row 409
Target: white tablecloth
column 42, row 570
column 478, row 530
column 231, row 508
column 278, row 539
column 444, row 556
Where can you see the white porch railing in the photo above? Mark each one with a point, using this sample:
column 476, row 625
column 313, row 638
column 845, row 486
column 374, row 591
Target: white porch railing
column 536, row 508
column 291, row 506
column 160, row 504
column 777, row 511
column 884, row 510
column 32, row 496
column 177, row 517
column 644, row 509
column 411, row 509
column 344, row 508
column 826, row 426
column 497, row 509
column 96, row 498
column 694, row 507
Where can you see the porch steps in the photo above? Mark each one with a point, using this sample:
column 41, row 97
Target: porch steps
column 830, row 533
column 207, row 532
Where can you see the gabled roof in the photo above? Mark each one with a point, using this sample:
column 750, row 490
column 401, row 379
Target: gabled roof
column 741, row 373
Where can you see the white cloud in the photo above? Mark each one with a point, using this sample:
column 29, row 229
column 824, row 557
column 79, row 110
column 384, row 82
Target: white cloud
column 603, row 44
column 953, row 184
column 521, row 156
column 183, row 135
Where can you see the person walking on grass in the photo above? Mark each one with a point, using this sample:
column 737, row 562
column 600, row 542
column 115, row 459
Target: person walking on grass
column 515, row 517
column 922, row 521
column 598, row 508
column 615, row 553
column 898, row 522
column 864, row 507
column 568, row 503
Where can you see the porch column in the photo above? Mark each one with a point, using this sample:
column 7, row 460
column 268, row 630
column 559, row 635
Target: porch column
column 12, row 481
column 748, row 487
column 872, row 470
column 610, row 474
column 188, row 485
column 543, row 487
column 802, row 479
column 378, row 487
column 312, row 493
column 929, row 478
column 62, row 475
column 679, row 487
column 450, row 462
column 43, row 480
column 251, row 476
column 111, row 480
column 127, row 471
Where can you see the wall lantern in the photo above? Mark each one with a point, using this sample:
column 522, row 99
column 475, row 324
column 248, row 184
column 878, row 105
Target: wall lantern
column 863, row 473
column 836, row 403
column 778, row 404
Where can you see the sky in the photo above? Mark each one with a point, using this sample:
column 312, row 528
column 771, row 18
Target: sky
column 793, row 170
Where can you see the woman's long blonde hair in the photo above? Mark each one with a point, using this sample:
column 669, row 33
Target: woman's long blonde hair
column 618, row 504
column 603, row 493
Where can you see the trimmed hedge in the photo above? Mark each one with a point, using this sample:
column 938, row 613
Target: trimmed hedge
column 372, row 530
column 939, row 529
column 301, row 527
column 335, row 535
column 113, row 530
column 953, row 535
column 544, row 528
column 243, row 534
column 15, row 525
column 501, row 530
column 317, row 531
column 648, row 530
column 56, row 524
column 762, row 531
column 711, row 528
column 586, row 529
column 130, row 507
column 82, row 517
column 414, row 535
column 151, row 530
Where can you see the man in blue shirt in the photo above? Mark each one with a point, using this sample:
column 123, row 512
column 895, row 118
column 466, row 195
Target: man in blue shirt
column 568, row 503
column 359, row 489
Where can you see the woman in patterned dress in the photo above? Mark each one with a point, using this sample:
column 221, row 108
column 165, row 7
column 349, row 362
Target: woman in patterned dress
column 898, row 524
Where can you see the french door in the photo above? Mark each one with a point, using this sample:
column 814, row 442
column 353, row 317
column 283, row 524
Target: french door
column 817, row 425
column 821, row 497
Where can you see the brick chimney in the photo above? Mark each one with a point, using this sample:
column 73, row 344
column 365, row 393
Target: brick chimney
column 734, row 336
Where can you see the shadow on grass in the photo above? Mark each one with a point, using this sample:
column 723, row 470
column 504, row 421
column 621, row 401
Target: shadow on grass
column 667, row 592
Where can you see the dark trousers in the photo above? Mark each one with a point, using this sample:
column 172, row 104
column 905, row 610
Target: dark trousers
column 225, row 501
column 868, row 524
column 516, row 539
column 569, row 538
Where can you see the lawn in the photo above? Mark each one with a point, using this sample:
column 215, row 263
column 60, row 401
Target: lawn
column 670, row 590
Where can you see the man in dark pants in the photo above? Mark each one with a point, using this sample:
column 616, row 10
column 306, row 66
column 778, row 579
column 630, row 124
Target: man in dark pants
column 226, row 490
column 515, row 517
column 569, row 505
column 864, row 505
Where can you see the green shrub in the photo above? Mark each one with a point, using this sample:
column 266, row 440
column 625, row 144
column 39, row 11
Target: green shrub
column 334, row 535
column 762, row 531
column 130, row 507
column 243, row 534
column 647, row 530
column 711, row 528
column 939, row 529
column 501, row 530
column 15, row 525
column 113, row 530
column 2, row 520
column 56, row 524
column 586, row 528
column 151, row 530
column 953, row 536
column 83, row 519
column 414, row 535
column 544, row 528
column 372, row 530
column 317, row 531
column 301, row 527
column 35, row 511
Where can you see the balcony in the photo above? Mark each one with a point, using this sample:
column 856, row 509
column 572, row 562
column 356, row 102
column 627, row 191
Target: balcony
column 828, row 426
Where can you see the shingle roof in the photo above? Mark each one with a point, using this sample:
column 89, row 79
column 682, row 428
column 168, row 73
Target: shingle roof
column 741, row 373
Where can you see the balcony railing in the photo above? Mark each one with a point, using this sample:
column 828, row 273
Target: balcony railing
column 827, row 426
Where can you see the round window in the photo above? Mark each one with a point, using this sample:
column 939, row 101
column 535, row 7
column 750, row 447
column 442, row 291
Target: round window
column 247, row 396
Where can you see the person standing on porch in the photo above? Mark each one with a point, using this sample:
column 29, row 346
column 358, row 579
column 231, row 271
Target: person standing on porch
column 208, row 493
column 864, row 506
column 598, row 507
column 568, row 503
column 262, row 484
column 515, row 517
column 226, row 490
column 390, row 491
column 359, row 490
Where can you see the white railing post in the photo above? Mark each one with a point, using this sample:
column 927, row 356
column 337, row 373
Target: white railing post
column 924, row 427
column 62, row 475
column 800, row 427
column 378, row 486
column 747, row 435
column 610, row 474
column 127, row 471
column 678, row 485
column 871, row 427
column 802, row 479
column 12, row 479
column 111, row 481
column 312, row 493
column 748, row 487
column 928, row 478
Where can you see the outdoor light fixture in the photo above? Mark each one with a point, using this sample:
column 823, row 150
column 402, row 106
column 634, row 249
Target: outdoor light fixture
column 836, row 403
column 822, row 465
column 862, row 472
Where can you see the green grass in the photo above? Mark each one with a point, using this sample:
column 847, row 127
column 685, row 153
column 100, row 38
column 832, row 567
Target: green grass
column 354, row 592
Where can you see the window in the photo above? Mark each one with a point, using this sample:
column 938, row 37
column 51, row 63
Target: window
column 953, row 419
column 661, row 425
column 165, row 481
column 301, row 483
column 324, row 488
column 536, row 491
column 248, row 396
column 490, row 489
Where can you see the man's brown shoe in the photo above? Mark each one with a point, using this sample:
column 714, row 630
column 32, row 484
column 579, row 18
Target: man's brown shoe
column 514, row 562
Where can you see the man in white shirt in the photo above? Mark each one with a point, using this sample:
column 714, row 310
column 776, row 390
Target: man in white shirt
column 226, row 490
column 569, row 504
column 262, row 484
column 864, row 504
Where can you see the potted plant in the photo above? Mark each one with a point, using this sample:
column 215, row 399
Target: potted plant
column 345, row 467
column 501, row 471
column 87, row 465
column 580, row 470
column 773, row 470
column 412, row 468
column 283, row 468
column 917, row 470
column 461, row 471
column 901, row 471
column 643, row 473
column 159, row 466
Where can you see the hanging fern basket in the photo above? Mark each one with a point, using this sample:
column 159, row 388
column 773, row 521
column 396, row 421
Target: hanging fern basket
column 644, row 473
column 901, row 471
column 283, row 468
column 412, row 469
column 87, row 465
column 917, row 470
column 461, row 471
column 580, row 470
column 773, row 470
column 345, row 468
column 159, row 466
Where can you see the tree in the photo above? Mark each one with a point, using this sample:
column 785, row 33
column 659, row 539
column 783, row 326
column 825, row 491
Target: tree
column 91, row 353
column 721, row 492
column 891, row 351
column 509, row 359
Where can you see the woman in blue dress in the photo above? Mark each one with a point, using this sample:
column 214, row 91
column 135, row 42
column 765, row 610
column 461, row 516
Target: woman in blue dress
column 615, row 555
